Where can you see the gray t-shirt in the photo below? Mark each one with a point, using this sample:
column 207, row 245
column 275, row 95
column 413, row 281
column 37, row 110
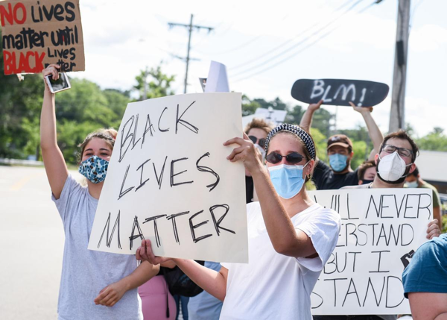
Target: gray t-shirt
column 84, row 272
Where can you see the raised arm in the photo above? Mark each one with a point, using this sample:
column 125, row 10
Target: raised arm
column 374, row 132
column 211, row 281
column 284, row 237
column 54, row 162
column 307, row 118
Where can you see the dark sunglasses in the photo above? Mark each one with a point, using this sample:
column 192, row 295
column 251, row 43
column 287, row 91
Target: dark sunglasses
column 261, row 142
column 293, row 157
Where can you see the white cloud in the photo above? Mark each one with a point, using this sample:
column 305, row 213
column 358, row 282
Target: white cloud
column 122, row 38
column 419, row 113
column 427, row 38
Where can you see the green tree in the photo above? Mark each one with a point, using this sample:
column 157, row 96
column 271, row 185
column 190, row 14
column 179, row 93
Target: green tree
column 159, row 86
column 434, row 141
column 295, row 115
column 248, row 106
column 19, row 100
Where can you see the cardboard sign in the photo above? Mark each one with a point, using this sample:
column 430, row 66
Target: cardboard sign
column 380, row 231
column 169, row 181
column 37, row 33
column 340, row 92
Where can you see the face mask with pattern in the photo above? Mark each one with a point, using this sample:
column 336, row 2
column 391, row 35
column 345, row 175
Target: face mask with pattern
column 94, row 169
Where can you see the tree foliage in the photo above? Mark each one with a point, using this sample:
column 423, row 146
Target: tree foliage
column 159, row 86
column 435, row 141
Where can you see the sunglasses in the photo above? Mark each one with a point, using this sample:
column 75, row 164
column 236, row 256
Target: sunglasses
column 261, row 142
column 293, row 157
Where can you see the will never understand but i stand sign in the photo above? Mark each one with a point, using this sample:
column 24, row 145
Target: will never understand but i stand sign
column 169, row 181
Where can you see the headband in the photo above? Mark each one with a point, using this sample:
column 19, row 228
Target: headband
column 302, row 134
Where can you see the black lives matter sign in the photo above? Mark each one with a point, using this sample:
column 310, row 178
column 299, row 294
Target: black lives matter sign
column 37, row 33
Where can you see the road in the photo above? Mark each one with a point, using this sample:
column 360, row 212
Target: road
column 31, row 244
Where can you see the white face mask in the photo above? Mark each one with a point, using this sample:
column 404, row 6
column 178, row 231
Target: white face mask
column 392, row 167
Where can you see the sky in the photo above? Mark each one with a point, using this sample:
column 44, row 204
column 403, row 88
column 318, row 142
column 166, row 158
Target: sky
column 268, row 45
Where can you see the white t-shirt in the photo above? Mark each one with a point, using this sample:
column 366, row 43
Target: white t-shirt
column 274, row 286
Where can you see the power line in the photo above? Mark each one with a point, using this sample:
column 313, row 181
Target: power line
column 190, row 31
column 251, row 61
column 245, row 43
column 296, row 52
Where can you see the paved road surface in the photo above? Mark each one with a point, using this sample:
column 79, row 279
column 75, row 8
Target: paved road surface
column 31, row 244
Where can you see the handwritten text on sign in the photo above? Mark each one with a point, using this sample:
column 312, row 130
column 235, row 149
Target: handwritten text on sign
column 169, row 181
column 37, row 33
column 340, row 92
column 380, row 229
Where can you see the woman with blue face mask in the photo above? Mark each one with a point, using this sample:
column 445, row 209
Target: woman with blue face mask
column 290, row 236
column 94, row 285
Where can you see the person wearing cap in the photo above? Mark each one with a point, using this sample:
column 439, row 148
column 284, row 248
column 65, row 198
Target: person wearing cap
column 340, row 151
column 394, row 161
column 290, row 236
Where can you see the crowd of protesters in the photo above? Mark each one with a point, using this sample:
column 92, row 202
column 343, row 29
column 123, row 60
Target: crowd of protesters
column 291, row 236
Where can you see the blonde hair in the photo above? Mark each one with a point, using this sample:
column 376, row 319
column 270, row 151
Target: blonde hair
column 259, row 124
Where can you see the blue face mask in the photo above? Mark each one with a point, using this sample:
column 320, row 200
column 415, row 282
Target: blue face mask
column 287, row 179
column 94, row 169
column 338, row 162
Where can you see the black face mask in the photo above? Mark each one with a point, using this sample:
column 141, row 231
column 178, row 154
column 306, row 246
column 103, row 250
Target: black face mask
column 364, row 181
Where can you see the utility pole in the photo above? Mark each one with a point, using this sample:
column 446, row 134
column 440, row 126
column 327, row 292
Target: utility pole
column 145, row 86
column 190, row 30
column 396, row 120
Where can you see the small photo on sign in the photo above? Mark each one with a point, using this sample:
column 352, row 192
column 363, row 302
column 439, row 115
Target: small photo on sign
column 61, row 84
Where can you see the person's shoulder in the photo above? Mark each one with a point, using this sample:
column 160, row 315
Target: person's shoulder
column 318, row 210
column 321, row 166
column 432, row 247
column 253, row 209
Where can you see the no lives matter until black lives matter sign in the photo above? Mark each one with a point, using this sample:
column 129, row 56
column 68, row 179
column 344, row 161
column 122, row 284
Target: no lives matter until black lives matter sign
column 380, row 231
column 37, row 33
column 169, row 181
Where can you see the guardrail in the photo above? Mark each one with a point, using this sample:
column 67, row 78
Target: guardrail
column 20, row 162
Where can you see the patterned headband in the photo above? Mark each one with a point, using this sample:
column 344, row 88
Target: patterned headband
column 302, row 134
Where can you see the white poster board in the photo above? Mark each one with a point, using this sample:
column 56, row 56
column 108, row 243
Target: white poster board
column 217, row 80
column 169, row 181
column 380, row 230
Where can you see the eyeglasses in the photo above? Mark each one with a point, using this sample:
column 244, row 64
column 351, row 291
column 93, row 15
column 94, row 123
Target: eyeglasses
column 293, row 157
column 261, row 142
column 401, row 151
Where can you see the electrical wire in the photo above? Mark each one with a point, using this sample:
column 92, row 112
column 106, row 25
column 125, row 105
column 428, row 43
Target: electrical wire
column 244, row 44
column 296, row 52
column 263, row 55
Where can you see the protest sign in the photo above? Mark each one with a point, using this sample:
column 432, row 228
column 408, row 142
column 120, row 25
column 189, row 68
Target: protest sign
column 169, row 181
column 217, row 80
column 37, row 33
column 340, row 92
column 380, row 231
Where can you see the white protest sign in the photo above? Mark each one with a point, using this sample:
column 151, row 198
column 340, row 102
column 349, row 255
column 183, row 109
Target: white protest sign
column 380, row 231
column 169, row 181
column 217, row 80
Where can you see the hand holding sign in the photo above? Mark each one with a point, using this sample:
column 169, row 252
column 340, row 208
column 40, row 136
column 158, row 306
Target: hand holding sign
column 340, row 92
